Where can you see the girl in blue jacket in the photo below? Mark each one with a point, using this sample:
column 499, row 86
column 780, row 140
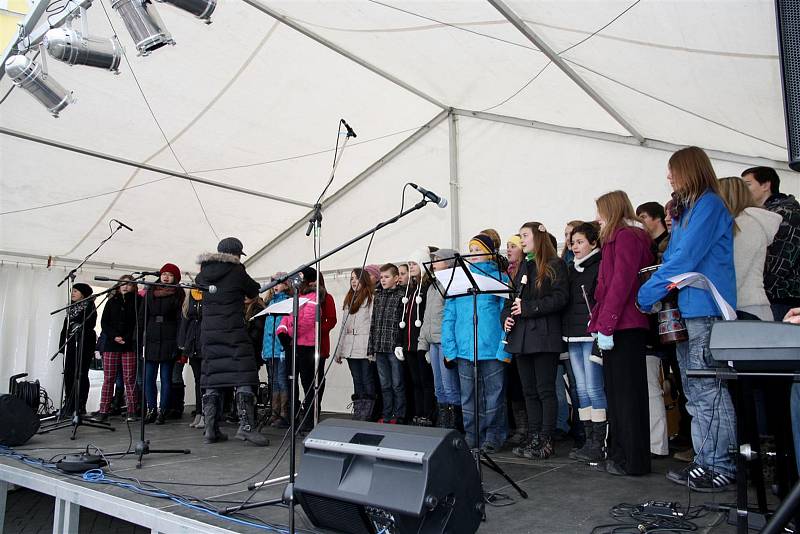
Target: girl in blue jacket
column 458, row 345
column 701, row 241
column 273, row 355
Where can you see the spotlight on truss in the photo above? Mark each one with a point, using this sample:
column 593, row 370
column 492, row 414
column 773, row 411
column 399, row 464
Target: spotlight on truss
column 73, row 48
column 144, row 24
column 35, row 80
column 202, row 9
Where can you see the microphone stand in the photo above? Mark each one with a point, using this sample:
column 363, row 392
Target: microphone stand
column 287, row 497
column 142, row 447
column 315, row 225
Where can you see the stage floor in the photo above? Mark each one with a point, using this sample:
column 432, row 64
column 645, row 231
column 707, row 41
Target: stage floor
column 564, row 496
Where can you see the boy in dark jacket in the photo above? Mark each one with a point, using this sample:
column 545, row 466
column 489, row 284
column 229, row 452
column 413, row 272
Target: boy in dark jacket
column 228, row 359
column 387, row 312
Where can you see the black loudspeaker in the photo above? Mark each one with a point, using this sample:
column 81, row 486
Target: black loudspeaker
column 367, row 478
column 788, row 14
column 17, row 421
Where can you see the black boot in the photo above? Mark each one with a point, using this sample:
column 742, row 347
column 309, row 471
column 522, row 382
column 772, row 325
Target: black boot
column 531, row 442
column 117, row 401
column 441, row 418
column 521, row 421
column 245, row 402
column 586, row 453
column 152, row 415
column 212, row 410
column 542, row 451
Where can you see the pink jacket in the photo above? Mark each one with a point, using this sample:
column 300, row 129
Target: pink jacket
column 305, row 321
column 624, row 253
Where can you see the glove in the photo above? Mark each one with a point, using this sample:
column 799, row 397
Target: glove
column 398, row 352
column 450, row 364
column 428, row 357
column 605, row 342
column 371, row 357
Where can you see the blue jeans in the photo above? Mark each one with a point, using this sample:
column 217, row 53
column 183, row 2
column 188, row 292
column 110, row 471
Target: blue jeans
column 164, row 370
column 445, row 381
column 707, row 401
column 588, row 377
column 280, row 382
column 390, row 374
column 363, row 383
column 491, row 394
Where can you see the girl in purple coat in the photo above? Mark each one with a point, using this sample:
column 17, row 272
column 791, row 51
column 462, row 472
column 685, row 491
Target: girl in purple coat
column 622, row 333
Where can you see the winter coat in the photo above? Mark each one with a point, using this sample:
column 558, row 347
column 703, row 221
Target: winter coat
column 660, row 245
column 458, row 340
column 538, row 328
column 387, row 311
column 328, row 322
column 306, row 321
column 625, row 253
column 582, row 276
column 355, row 339
column 271, row 347
column 757, row 228
column 701, row 241
column 255, row 330
column 782, row 275
column 162, row 320
column 82, row 328
column 408, row 335
column 431, row 331
column 189, row 331
column 119, row 320
column 228, row 359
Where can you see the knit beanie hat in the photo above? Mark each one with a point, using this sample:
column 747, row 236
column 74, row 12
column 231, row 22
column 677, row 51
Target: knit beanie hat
column 171, row 268
column 484, row 242
column 85, row 289
column 374, row 271
column 309, row 274
column 446, row 254
column 515, row 240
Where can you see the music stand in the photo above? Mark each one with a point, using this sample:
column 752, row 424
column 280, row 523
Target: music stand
column 458, row 282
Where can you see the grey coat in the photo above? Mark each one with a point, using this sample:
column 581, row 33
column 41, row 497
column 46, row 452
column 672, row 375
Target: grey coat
column 431, row 331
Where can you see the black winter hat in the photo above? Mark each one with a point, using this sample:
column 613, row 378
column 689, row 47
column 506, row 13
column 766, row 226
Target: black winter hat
column 309, row 275
column 85, row 289
column 231, row 245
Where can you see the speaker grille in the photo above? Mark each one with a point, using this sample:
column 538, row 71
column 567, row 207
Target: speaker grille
column 788, row 15
column 335, row 515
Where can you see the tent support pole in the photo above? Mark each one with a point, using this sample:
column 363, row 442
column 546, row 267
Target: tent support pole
column 551, row 54
column 341, row 51
column 455, row 205
column 303, row 221
column 146, row 167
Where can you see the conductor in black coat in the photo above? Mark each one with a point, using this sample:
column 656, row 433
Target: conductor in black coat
column 78, row 345
column 228, row 359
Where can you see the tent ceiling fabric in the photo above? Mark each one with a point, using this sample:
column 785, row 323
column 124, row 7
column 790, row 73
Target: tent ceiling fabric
column 252, row 102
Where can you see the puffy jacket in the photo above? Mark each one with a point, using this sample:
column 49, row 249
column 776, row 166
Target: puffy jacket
column 271, row 348
column 757, row 228
column 457, row 327
column 701, row 241
column 119, row 320
column 355, row 338
column 431, row 331
column 306, row 321
column 575, row 316
column 538, row 328
column 163, row 319
column 782, row 275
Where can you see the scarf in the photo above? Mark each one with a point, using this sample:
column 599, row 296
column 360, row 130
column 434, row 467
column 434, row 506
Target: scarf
column 163, row 291
column 579, row 262
column 76, row 312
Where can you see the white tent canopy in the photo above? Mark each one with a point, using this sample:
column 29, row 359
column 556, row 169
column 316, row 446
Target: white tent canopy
column 520, row 110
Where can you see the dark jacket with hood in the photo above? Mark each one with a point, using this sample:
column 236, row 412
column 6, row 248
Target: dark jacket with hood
column 782, row 271
column 163, row 319
column 538, row 328
column 575, row 317
column 189, row 332
column 119, row 320
column 227, row 349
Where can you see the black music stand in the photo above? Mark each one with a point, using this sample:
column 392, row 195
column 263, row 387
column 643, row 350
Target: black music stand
column 462, row 282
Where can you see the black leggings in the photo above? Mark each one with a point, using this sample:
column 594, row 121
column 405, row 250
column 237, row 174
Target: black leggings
column 422, row 383
column 537, row 372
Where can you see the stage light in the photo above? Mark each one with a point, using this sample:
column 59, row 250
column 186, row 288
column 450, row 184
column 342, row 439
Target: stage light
column 202, row 9
column 73, row 48
column 35, row 80
column 145, row 26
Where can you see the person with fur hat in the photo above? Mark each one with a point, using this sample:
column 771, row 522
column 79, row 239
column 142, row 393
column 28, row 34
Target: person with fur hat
column 228, row 359
column 162, row 306
column 78, row 345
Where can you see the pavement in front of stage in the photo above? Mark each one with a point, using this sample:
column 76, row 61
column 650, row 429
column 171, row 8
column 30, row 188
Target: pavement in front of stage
column 564, row 495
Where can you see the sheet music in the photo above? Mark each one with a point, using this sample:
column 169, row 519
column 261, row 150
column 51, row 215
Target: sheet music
column 283, row 307
column 700, row 281
column 461, row 285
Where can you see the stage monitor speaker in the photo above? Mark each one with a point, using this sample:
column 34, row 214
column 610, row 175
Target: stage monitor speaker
column 18, row 422
column 366, row 478
column 788, row 17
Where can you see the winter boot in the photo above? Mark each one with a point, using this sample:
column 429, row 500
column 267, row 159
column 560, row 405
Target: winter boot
column 275, row 404
column 523, row 450
column 543, row 451
column 521, row 420
column 245, row 402
column 283, row 411
column 196, row 421
column 212, row 411
column 441, row 419
column 118, row 401
column 590, row 452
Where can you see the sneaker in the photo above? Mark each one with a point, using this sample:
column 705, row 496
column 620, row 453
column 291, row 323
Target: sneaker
column 711, row 482
column 681, row 476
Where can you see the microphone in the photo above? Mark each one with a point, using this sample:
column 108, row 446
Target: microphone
column 430, row 195
column 212, row 289
column 122, row 224
column 350, row 132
